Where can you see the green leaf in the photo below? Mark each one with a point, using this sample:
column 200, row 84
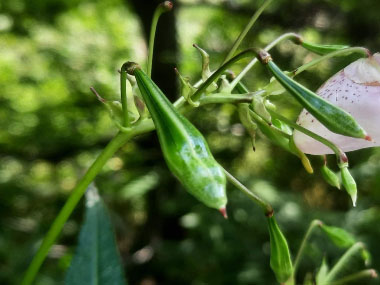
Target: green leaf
column 322, row 272
column 338, row 236
column 96, row 260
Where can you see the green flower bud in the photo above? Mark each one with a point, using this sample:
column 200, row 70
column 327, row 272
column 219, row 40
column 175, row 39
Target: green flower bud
column 330, row 177
column 349, row 183
column 280, row 261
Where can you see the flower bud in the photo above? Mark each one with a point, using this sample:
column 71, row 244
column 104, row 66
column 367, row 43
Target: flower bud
column 349, row 184
column 330, row 177
column 355, row 89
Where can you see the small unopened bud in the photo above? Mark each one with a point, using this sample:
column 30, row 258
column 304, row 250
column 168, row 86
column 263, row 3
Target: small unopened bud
column 349, row 184
column 330, row 177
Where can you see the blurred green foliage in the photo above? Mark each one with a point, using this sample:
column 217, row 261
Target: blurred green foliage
column 52, row 128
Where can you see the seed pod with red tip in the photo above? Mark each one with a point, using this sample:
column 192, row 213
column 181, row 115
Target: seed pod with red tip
column 355, row 89
column 184, row 148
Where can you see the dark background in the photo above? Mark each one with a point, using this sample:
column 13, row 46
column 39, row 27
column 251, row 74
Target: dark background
column 52, row 128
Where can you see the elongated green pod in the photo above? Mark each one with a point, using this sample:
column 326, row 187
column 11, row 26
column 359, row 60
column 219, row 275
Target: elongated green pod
column 322, row 49
column 184, row 148
column 280, row 260
column 330, row 177
column 334, row 118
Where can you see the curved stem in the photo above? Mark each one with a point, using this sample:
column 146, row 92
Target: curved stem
column 119, row 140
column 123, row 94
column 220, row 98
column 343, row 261
column 242, row 35
column 341, row 156
column 360, row 50
column 301, row 250
column 364, row 274
column 268, row 209
column 161, row 8
column 267, row 48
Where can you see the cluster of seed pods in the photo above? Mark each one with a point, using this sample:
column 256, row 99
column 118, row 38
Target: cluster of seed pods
column 355, row 89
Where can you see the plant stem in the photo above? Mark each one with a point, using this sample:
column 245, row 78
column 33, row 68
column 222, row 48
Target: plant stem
column 219, row 98
column 119, row 140
column 367, row 273
column 268, row 209
column 341, row 156
column 267, row 48
column 161, row 8
column 301, row 250
column 242, row 35
column 360, row 50
column 123, row 95
column 346, row 258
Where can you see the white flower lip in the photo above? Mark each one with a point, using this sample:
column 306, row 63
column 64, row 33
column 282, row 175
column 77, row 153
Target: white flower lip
column 355, row 89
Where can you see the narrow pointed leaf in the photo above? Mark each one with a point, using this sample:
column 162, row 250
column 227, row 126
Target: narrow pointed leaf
column 338, row 236
column 322, row 272
column 280, row 260
column 96, row 260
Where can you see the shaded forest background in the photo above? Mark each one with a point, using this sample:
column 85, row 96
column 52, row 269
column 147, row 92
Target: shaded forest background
column 52, row 127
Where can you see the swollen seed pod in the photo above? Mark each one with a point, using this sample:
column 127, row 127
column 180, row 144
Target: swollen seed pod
column 356, row 89
column 184, row 148
column 280, row 260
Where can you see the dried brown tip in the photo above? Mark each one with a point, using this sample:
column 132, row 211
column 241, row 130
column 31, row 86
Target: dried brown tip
column 167, row 5
column 130, row 67
column 368, row 138
column 223, row 211
column 176, row 70
column 263, row 56
column 100, row 98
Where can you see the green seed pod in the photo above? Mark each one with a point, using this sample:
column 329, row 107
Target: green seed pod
column 330, row 177
column 338, row 236
column 334, row 118
column 322, row 49
column 349, row 183
column 280, row 260
column 184, row 148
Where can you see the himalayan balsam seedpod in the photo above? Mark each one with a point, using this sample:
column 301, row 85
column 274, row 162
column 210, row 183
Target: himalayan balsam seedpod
column 280, row 261
column 184, row 148
column 356, row 89
column 322, row 49
column 334, row 118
